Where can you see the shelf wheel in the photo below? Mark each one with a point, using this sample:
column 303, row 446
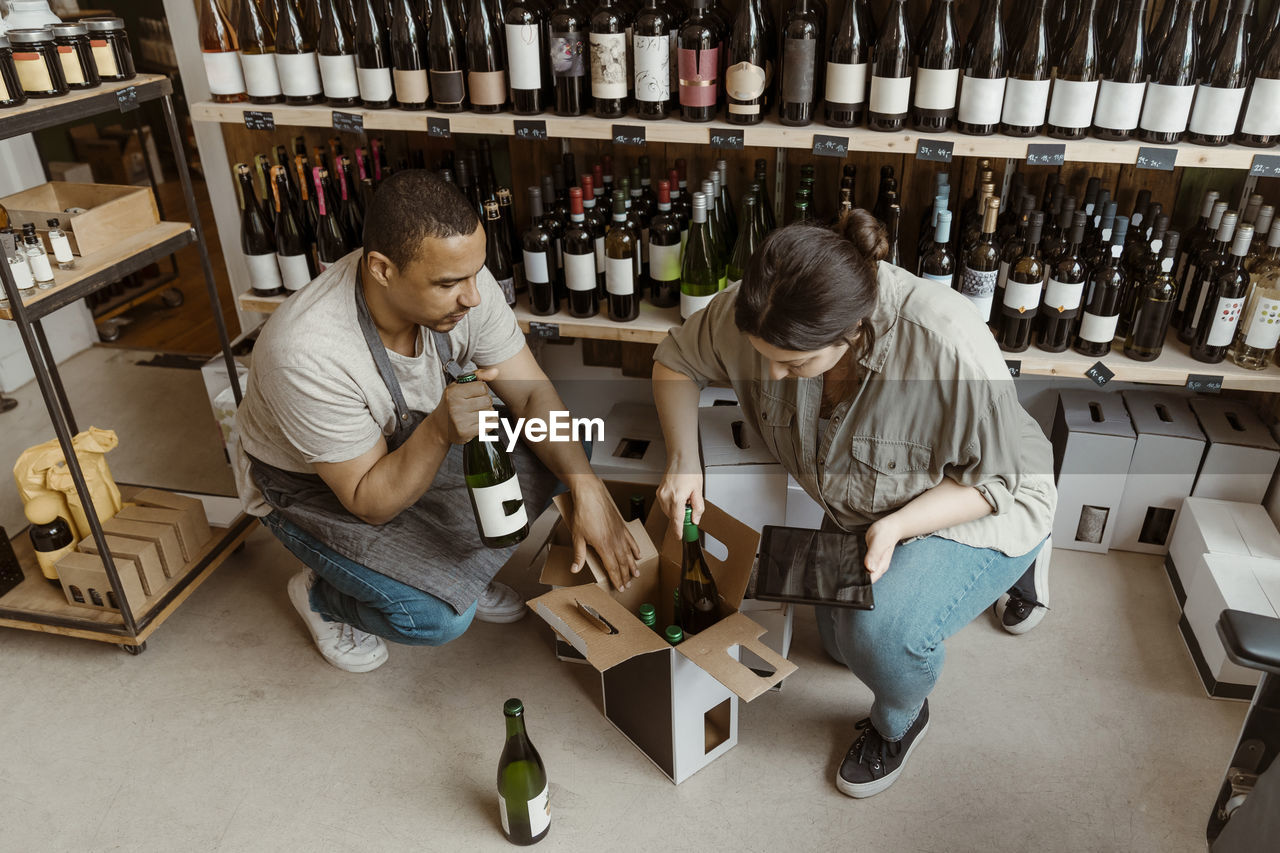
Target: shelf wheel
column 134, row 650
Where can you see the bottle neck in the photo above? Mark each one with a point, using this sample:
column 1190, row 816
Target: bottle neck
column 515, row 727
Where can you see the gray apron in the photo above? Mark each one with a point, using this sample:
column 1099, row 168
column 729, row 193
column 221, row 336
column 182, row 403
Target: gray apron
column 433, row 545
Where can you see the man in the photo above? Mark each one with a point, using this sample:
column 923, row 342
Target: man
column 347, row 438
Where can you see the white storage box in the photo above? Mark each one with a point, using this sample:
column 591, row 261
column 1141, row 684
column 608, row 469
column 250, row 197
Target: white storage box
column 1165, row 461
column 1093, row 444
column 802, row 510
column 633, row 449
column 1228, row 582
column 1237, row 530
column 1242, row 454
column 741, row 475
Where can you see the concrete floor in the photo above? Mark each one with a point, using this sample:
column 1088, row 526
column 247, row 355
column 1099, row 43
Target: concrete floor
column 230, row 733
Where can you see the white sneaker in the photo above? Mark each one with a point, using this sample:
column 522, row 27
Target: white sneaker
column 342, row 645
column 500, row 604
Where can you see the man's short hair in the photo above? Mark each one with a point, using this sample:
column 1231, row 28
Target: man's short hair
column 411, row 206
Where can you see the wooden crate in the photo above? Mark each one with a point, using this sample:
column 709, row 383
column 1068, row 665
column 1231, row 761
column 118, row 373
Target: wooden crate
column 111, row 212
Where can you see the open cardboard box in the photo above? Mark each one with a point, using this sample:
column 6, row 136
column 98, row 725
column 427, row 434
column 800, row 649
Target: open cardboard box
column 678, row 705
column 110, row 213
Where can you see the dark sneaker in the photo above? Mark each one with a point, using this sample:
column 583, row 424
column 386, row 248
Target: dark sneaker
column 873, row 763
column 1025, row 604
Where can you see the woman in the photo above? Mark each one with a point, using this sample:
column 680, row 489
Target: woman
column 886, row 397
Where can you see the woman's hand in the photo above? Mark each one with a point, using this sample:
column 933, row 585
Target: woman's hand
column 678, row 489
column 882, row 537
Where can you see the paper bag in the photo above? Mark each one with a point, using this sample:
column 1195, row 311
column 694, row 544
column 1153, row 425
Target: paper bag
column 42, row 470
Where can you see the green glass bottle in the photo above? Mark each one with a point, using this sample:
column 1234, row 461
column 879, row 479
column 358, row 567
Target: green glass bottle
column 699, row 598
column 523, row 800
column 746, row 245
column 495, row 491
column 674, row 635
column 699, row 271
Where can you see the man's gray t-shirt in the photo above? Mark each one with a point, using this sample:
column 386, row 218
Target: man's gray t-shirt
column 314, row 393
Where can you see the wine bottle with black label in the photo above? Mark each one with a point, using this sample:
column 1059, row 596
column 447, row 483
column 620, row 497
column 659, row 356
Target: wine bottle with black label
column 446, row 59
column 890, row 102
column 801, row 38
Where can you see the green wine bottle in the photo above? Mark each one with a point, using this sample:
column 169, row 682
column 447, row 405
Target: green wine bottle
column 673, row 635
column 495, row 491
column 523, row 800
column 699, row 599
column 747, row 243
column 699, row 275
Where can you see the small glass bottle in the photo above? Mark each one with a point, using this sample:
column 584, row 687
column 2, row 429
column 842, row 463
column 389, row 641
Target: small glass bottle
column 110, row 44
column 76, row 56
column 51, row 535
column 61, row 246
column 36, row 58
column 11, row 94
column 37, row 258
column 19, row 269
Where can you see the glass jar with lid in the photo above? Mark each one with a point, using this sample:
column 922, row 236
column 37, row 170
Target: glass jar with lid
column 110, row 44
column 11, row 94
column 36, row 58
column 75, row 55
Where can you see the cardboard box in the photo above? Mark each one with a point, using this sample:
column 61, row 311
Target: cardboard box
column 1162, row 471
column 116, row 153
column 1239, row 530
column 1242, row 454
column 714, row 396
column 85, row 583
column 678, row 704
column 162, row 536
column 802, row 510
column 1228, row 582
column 740, row 474
column 70, row 173
column 144, row 556
column 171, row 518
column 111, row 213
column 633, row 449
column 194, row 525
column 1093, row 443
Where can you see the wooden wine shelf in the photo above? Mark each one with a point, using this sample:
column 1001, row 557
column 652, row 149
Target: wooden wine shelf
column 767, row 134
column 78, row 104
column 1173, row 366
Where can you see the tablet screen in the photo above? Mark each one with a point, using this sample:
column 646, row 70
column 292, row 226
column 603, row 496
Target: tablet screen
column 813, row 567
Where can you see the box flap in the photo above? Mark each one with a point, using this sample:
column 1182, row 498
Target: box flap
column 710, row 649
column 728, row 439
column 1095, row 412
column 559, row 558
column 559, row 609
column 1238, row 583
column 1232, row 422
column 1216, row 522
column 1257, row 530
column 733, row 573
column 1269, row 580
column 1158, row 413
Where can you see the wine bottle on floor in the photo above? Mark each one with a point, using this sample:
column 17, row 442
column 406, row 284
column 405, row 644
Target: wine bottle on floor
column 523, row 795
column 494, row 490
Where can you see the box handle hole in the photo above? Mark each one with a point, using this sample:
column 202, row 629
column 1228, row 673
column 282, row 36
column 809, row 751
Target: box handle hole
column 1163, row 412
column 1095, row 412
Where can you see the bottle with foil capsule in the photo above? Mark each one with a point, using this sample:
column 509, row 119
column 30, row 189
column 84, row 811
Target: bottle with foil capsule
column 1223, row 302
column 1260, row 324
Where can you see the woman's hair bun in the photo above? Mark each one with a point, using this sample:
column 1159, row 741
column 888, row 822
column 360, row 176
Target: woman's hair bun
column 865, row 232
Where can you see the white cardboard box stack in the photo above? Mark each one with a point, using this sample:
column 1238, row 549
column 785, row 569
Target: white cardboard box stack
column 1242, row 453
column 633, row 449
column 1093, row 443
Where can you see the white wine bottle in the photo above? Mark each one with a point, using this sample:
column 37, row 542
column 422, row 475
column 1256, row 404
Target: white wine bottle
column 494, row 489
column 523, row 797
column 699, row 599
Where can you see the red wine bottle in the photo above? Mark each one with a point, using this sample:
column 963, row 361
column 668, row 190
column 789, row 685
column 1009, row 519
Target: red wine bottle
column 800, row 57
column 985, row 73
column 846, row 83
column 1075, row 88
column 1026, row 94
column 937, row 71
column 698, row 58
column 1260, row 127
column 1124, row 80
column 890, row 102
column 1223, row 81
column 1103, row 293
column 568, row 30
column 580, row 261
column 1022, row 291
column 1167, row 107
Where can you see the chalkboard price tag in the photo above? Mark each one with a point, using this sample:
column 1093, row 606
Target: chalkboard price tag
column 1046, row 154
column 731, row 140
column 348, row 122
column 530, row 128
column 628, row 134
column 127, row 98
column 937, row 150
column 1100, row 374
column 830, row 146
column 1156, row 158
column 438, row 128
column 1265, row 166
column 259, row 120
column 547, row 331
column 1015, row 367
column 1204, row 383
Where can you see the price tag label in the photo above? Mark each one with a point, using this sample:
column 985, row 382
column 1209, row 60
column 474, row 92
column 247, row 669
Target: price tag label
column 938, row 151
column 628, row 134
column 1015, row 367
column 830, row 146
column 1265, row 166
column 530, row 129
column 548, row 331
column 1156, row 158
column 1100, row 374
column 1204, row 383
column 127, row 98
column 259, row 120
column 1046, row 154
column 730, row 140
column 438, row 128
column 348, row 122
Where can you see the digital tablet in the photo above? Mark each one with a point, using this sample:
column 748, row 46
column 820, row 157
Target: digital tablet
column 812, row 567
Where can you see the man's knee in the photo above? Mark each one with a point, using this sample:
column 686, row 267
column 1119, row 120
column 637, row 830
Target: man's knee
column 427, row 622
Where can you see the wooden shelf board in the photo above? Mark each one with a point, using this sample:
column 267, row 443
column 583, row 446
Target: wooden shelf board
column 46, row 112
column 769, row 133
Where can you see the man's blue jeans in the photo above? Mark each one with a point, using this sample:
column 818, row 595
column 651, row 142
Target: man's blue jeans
column 932, row 589
column 348, row 592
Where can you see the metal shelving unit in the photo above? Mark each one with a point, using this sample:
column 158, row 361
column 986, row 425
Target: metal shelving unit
column 33, row 604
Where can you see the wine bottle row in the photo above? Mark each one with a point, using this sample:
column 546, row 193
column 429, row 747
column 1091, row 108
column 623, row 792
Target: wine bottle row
column 1071, row 68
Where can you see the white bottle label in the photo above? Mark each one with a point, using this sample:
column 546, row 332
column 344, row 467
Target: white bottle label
column 40, row 268
column 492, row 504
column 223, row 71
column 1167, row 108
column 339, row 76
column 294, row 272
column 690, row 304
column 981, row 99
column 1072, row 103
column 1225, row 319
column 1025, row 102
column 980, row 287
column 1003, row 275
column 608, row 65
column 374, row 83
column 599, row 250
column 941, row 279
column 1119, row 105
column 21, row 272
column 1098, row 330
column 539, row 813
column 846, row 83
column 300, row 76
column 1062, row 296
column 890, row 95
column 664, row 263
column 261, row 79
column 1216, row 110
column 653, row 68
column 580, row 271
column 1264, row 325
column 1022, row 296
column 264, row 272
column 61, row 248
column 524, row 56
column 620, row 276
column 936, row 88
column 1263, row 114
column 535, row 268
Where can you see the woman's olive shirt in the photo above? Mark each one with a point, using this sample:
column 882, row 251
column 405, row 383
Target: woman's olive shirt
column 937, row 401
